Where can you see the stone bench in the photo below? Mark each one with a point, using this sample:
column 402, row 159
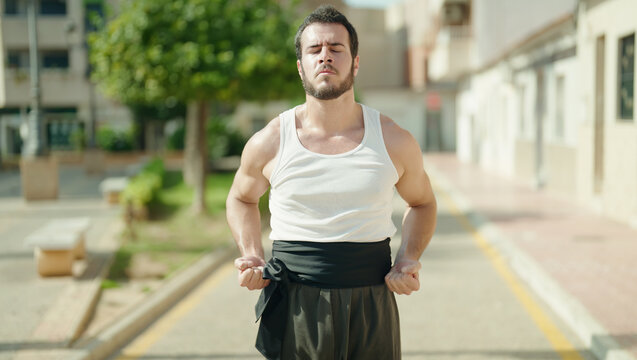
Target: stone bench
column 111, row 188
column 57, row 244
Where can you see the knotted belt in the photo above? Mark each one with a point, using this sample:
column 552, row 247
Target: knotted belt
column 323, row 265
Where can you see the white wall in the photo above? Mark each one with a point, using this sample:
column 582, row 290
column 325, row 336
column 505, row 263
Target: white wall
column 497, row 115
column 381, row 52
column 405, row 107
column 501, row 24
column 618, row 197
column 486, row 122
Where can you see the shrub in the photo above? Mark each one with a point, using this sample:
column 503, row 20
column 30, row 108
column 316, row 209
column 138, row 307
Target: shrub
column 114, row 141
column 143, row 188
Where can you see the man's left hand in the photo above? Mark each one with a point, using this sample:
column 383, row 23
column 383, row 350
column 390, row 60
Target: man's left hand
column 403, row 277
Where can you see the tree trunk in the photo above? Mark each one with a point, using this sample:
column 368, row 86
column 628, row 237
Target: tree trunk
column 200, row 160
column 190, row 143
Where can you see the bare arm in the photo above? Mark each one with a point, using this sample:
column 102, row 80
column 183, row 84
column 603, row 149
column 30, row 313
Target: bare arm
column 242, row 205
column 419, row 221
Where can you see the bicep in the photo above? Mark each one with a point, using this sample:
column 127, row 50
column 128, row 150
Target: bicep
column 413, row 185
column 248, row 185
column 250, row 182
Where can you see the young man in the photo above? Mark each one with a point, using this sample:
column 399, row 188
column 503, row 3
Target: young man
column 331, row 165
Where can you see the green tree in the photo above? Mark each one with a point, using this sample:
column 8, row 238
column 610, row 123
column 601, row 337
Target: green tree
column 198, row 52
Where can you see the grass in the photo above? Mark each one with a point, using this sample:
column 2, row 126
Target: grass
column 173, row 238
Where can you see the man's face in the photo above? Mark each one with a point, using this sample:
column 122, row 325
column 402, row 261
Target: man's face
column 326, row 66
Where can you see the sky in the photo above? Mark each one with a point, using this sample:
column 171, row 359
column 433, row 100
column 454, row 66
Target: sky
column 377, row 4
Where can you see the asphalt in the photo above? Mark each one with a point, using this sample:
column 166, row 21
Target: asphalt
column 579, row 263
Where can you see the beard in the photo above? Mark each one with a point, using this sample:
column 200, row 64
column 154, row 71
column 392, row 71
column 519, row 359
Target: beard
column 331, row 91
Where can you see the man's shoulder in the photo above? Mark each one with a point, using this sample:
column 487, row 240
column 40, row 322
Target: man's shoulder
column 400, row 143
column 264, row 144
column 392, row 132
column 269, row 130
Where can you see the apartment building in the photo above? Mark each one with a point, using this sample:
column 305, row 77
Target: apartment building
column 70, row 104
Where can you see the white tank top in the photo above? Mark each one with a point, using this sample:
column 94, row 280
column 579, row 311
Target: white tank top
column 329, row 198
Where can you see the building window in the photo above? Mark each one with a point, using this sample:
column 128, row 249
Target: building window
column 11, row 7
column 17, row 59
column 55, row 59
column 49, row 59
column 53, row 7
column 559, row 108
column 14, row 60
column 44, row 7
column 93, row 14
column 626, row 77
column 61, row 123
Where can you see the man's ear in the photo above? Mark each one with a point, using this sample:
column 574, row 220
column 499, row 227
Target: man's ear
column 299, row 69
column 356, row 65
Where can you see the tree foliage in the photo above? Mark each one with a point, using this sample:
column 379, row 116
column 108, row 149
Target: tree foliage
column 158, row 51
column 197, row 52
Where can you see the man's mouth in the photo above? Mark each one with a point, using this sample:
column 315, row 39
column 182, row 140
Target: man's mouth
column 327, row 71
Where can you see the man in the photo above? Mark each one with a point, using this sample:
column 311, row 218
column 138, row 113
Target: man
column 331, row 165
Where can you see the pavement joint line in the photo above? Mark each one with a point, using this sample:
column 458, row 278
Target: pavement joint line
column 573, row 313
column 141, row 345
column 560, row 343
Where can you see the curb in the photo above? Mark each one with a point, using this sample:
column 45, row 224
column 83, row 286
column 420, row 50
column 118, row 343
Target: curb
column 131, row 324
column 109, row 246
column 569, row 309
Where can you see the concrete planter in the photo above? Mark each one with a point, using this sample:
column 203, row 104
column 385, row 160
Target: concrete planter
column 40, row 178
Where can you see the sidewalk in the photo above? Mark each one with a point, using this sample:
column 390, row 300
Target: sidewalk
column 43, row 314
column 583, row 265
column 47, row 318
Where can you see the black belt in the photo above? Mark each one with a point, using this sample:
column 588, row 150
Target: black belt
column 323, row 265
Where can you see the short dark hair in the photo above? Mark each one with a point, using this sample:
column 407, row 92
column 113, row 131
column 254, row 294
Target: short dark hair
column 327, row 14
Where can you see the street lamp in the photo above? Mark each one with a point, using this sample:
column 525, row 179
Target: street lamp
column 39, row 174
column 35, row 141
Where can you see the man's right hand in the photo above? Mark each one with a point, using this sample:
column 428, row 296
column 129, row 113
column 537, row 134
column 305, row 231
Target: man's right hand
column 251, row 272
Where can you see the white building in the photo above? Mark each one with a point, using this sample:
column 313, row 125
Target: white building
column 516, row 109
column 68, row 102
column 607, row 137
column 546, row 96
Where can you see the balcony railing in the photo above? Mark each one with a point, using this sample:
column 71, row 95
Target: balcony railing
column 452, row 52
column 454, row 32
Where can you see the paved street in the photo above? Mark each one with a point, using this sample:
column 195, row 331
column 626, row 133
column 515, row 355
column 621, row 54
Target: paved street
column 467, row 308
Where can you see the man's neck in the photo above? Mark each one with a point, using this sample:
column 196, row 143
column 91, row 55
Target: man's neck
column 332, row 116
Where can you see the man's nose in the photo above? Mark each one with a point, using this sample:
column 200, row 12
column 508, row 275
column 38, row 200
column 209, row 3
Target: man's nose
column 325, row 57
